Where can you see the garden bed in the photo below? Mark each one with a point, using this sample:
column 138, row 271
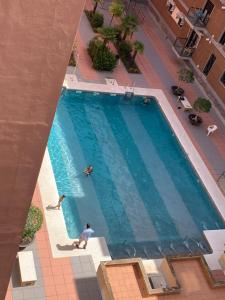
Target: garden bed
column 96, row 20
column 127, row 60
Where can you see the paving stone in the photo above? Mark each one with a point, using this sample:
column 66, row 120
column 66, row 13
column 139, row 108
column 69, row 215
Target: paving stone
column 39, row 292
column 28, row 293
column 17, row 294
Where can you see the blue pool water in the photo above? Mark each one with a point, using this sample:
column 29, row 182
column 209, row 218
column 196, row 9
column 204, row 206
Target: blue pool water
column 144, row 196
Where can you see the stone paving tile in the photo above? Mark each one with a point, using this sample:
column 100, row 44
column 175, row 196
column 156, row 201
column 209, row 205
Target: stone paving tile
column 85, row 277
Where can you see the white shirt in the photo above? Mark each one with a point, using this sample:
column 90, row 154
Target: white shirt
column 87, row 233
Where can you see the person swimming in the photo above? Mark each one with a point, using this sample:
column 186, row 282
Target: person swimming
column 146, row 100
column 88, row 170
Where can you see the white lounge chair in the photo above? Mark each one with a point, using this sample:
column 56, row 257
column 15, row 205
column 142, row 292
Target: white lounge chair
column 185, row 103
column 211, row 129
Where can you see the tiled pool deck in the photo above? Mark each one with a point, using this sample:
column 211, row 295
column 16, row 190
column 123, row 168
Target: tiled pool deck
column 74, row 277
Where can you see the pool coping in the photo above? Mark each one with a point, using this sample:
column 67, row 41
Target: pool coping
column 56, row 225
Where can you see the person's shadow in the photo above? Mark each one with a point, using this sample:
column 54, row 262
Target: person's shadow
column 50, row 207
column 66, row 247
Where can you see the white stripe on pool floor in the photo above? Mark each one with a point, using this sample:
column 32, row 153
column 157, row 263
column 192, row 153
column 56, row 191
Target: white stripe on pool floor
column 84, row 192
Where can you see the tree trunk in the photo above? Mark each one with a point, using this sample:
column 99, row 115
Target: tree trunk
column 134, row 55
column 111, row 20
column 125, row 35
column 95, row 7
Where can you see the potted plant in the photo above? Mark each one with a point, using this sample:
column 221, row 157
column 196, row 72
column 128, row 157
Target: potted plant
column 184, row 75
column 33, row 224
column 200, row 105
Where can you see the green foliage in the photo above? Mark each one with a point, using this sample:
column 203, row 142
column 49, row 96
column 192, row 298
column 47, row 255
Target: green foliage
column 138, row 48
column 108, row 34
column 116, row 8
column 104, row 60
column 129, row 25
column 125, row 48
column 96, row 19
column 72, row 61
column 93, row 46
column 202, row 105
column 33, row 223
column 186, row 75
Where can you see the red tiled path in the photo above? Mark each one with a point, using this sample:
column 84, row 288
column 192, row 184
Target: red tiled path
column 57, row 272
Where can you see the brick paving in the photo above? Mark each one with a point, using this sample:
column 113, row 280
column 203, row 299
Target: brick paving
column 74, row 278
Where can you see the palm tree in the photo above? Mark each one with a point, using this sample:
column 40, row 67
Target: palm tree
column 138, row 47
column 116, row 8
column 129, row 25
column 96, row 5
column 108, row 34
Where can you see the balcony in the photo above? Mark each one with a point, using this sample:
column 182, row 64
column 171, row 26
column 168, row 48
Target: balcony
column 181, row 50
column 198, row 17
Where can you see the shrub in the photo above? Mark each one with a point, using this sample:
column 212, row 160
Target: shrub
column 97, row 20
column 125, row 48
column 202, row 105
column 93, row 47
column 104, row 60
column 186, row 75
column 33, row 223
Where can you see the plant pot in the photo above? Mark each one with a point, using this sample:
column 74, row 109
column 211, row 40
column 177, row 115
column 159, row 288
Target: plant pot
column 195, row 119
column 177, row 91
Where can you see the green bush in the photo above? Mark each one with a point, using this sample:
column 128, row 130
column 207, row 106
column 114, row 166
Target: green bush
column 125, row 48
column 104, row 60
column 93, row 47
column 33, row 223
column 97, row 20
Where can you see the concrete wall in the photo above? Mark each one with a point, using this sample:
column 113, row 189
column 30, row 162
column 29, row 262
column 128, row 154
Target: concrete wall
column 35, row 45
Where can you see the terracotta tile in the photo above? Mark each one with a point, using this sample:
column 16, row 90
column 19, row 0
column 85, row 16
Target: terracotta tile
column 48, row 281
column 47, row 271
column 50, row 291
column 70, row 287
column 68, row 279
column 58, row 280
column 61, row 289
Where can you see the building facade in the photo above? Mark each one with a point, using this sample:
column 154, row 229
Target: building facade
column 35, row 46
column 198, row 31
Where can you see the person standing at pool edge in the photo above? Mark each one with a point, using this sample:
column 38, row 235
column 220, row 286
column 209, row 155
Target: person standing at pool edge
column 61, row 198
column 85, row 235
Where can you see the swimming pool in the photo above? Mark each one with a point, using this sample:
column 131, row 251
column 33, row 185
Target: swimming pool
column 144, row 196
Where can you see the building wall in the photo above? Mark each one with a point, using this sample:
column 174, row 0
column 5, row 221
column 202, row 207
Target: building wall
column 215, row 26
column 35, row 45
column 162, row 8
column 201, row 57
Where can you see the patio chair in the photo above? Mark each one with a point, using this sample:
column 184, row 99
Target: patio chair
column 211, row 129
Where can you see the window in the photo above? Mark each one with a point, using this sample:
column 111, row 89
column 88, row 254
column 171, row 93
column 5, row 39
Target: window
column 222, row 39
column 209, row 64
column 171, row 8
column 222, row 79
